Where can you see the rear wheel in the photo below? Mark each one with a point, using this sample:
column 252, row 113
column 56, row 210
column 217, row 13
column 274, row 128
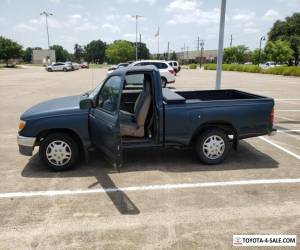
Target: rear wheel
column 212, row 146
column 163, row 82
column 65, row 70
column 59, row 152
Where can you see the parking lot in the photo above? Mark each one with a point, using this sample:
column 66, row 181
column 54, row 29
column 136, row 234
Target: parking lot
column 160, row 199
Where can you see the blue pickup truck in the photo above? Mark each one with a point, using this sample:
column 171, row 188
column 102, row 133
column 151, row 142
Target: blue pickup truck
column 130, row 110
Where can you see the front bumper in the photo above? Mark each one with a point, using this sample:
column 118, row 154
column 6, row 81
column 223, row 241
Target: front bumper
column 26, row 145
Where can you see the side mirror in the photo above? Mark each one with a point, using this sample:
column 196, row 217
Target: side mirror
column 86, row 104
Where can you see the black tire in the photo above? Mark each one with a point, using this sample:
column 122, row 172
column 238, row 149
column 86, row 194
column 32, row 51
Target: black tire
column 56, row 138
column 163, row 82
column 65, row 70
column 49, row 70
column 213, row 153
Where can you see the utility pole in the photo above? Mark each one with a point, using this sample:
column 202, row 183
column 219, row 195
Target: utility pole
column 201, row 56
column 140, row 47
column 187, row 53
column 198, row 43
column 136, row 30
column 220, row 47
column 230, row 40
column 46, row 16
column 168, row 50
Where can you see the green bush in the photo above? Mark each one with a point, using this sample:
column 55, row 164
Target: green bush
column 280, row 70
column 193, row 66
column 284, row 70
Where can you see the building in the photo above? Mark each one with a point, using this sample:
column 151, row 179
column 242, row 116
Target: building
column 43, row 56
column 208, row 56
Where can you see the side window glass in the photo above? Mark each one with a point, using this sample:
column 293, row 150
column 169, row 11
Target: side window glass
column 109, row 96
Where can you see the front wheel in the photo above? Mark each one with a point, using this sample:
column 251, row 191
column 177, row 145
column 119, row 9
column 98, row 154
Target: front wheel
column 212, row 146
column 65, row 70
column 163, row 82
column 59, row 152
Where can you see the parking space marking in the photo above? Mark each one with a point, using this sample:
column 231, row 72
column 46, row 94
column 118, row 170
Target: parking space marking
column 285, row 118
column 280, row 147
column 51, row 193
column 287, row 110
column 287, row 130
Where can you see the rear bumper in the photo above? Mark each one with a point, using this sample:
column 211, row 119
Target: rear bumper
column 26, row 145
column 272, row 132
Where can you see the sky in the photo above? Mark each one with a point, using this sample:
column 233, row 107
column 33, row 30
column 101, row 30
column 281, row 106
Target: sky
column 180, row 21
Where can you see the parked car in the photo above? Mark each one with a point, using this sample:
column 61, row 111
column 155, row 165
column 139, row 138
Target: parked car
column 84, row 65
column 76, row 66
column 59, row 66
column 167, row 73
column 114, row 67
column 268, row 65
column 175, row 65
column 114, row 117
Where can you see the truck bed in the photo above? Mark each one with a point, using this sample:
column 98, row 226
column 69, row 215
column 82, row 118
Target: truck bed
column 172, row 97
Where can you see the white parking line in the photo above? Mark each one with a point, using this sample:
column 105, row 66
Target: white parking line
column 147, row 188
column 287, row 130
column 280, row 147
column 287, row 110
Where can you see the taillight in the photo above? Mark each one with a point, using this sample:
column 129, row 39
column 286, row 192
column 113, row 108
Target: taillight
column 172, row 71
column 271, row 117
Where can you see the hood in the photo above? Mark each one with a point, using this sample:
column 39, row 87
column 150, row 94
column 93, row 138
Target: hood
column 59, row 106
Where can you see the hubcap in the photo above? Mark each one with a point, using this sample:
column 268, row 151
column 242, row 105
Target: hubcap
column 213, row 147
column 58, row 153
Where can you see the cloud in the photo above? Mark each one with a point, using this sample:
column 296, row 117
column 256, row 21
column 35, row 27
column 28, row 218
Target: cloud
column 270, row 15
column 189, row 11
column 86, row 26
column 111, row 28
column 24, row 27
column 244, row 16
column 251, row 30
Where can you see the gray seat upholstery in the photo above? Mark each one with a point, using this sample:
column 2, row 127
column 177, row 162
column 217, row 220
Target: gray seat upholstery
column 133, row 124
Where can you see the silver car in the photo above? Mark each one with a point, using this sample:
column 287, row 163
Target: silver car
column 59, row 66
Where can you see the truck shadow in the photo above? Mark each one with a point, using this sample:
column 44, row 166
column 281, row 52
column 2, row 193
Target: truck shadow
column 170, row 160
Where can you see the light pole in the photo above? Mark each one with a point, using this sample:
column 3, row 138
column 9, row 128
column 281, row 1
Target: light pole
column 46, row 15
column 259, row 53
column 220, row 47
column 136, row 30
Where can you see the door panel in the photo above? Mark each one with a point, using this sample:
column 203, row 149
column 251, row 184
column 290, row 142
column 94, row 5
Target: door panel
column 104, row 120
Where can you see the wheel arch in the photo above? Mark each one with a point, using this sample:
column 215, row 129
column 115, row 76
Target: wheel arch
column 43, row 134
column 223, row 125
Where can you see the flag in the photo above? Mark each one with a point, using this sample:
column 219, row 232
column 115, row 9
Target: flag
column 157, row 33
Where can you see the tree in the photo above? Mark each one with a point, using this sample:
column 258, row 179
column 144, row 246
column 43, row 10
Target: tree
column 61, row 54
column 174, row 56
column 95, row 51
column 236, row 54
column 78, row 52
column 120, row 51
column 258, row 57
column 27, row 55
column 143, row 51
column 288, row 30
column 279, row 51
column 9, row 49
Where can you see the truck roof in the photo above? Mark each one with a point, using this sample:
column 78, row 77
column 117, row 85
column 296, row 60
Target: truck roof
column 125, row 70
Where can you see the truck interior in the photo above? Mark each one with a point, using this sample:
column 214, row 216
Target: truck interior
column 137, row 108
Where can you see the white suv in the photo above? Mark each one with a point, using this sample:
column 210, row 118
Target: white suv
column 167, row 73
column 59, row 66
